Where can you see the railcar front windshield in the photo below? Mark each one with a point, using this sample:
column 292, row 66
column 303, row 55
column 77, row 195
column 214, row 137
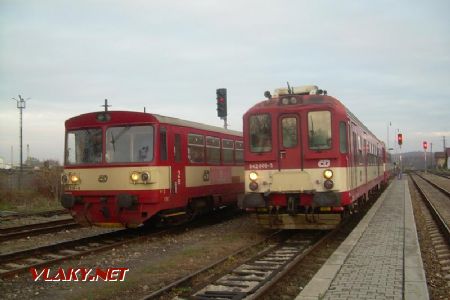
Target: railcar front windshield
column 84, row 146
column 319, row 130
column 260, row 133
column 129, row 144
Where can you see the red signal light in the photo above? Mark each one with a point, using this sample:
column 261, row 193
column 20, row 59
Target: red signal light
column 400, row 139
column 425, row 145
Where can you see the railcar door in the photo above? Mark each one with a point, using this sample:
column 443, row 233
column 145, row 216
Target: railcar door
column 289, row 144
column 177, row 185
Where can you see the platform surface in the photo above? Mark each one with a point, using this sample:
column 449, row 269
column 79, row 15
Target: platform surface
column 380, row 259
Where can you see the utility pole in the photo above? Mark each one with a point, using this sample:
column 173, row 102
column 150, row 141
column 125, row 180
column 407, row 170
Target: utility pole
column 21, row 106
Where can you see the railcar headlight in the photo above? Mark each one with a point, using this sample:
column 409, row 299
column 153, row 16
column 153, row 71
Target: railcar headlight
column 328, row 174
column 293, row 100
column 74, row 178
column 134, row 176
column 328, row 184
column 145, row 176
column 253, row 176
column 285, row 101
column 253, row 186
column 64, row 179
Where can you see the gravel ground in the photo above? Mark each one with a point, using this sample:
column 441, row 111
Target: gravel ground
column 438, row 287
column 153, row 263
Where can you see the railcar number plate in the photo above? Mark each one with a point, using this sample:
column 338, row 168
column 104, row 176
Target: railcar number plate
column 261, row 166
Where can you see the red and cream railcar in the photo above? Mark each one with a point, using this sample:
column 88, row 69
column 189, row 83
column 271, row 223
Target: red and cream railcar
column 308, row 160
column 127, row 168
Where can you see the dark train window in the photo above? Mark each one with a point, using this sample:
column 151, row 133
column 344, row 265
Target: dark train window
column 212, row 150
column 260, row 133
column 239, row 152
column 343, row 137
column 196, row 148
column 319, row 130
column 289, row 132
column 163, row 143
column 177, row 148
column 227, row 151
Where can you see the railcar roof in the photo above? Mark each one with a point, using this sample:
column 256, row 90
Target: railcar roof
column 125, row 116
column 180, row 122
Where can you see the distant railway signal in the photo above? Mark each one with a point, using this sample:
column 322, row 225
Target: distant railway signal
column 425, row 145
column 400, row 139
column 221, row 103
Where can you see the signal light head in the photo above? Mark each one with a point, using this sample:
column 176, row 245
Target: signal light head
column 425, row 145
column 400, row 139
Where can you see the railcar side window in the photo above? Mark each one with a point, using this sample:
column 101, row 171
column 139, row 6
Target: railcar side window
column 212, row 150
column 128, row 144
column 227, row 151
column 177, row 148
column 289, row 132
column 196, row 148
column 319, row 130
column 343, row 137
column 239, row 152
column 84, row 146
column 163, row 143
column 260, row 133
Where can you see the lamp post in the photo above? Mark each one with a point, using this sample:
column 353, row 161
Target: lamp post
column 21, row 106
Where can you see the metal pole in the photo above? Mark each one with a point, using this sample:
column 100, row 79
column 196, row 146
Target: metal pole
column 431, row 151
column 425, row 151
column 21, row 106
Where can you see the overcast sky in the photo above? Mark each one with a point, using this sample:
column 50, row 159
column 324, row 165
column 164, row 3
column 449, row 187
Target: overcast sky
column 387, row 61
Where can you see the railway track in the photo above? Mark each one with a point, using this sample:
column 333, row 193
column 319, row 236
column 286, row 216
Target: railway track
column 437, row 200
column 256, row 275
column 4, row 216
column 436, row 231
column 16, row 262
column 36, row 229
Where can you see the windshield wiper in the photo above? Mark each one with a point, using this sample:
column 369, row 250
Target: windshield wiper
column 113, row 142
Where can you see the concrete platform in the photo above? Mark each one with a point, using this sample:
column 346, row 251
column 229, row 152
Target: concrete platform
column 380, row 259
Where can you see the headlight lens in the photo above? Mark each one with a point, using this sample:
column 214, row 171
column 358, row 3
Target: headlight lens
column 328, row 184
column 74, row 178
column 64, row 179
column 253, row 186
column 253, row 176
column 145, row 176
column 134, row 176
column 328, row 174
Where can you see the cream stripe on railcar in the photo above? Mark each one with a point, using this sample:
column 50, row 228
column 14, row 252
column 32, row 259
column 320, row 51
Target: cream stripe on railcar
column 119, row 178
column 297, row 180
column 208, row 175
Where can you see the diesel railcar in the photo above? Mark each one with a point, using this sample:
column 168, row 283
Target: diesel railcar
column 127, row 168
column 308, row 160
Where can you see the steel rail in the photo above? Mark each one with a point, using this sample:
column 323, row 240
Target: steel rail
column 443, row 190
column 445, row 230
column 10, row 233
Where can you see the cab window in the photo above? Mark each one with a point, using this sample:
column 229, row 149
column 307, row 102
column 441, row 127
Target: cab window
column 319, row 130
column 260, row 133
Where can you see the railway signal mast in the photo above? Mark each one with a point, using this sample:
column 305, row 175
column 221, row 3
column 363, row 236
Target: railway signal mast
column 425, row 147
column 221, row 96
column 400, row 142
